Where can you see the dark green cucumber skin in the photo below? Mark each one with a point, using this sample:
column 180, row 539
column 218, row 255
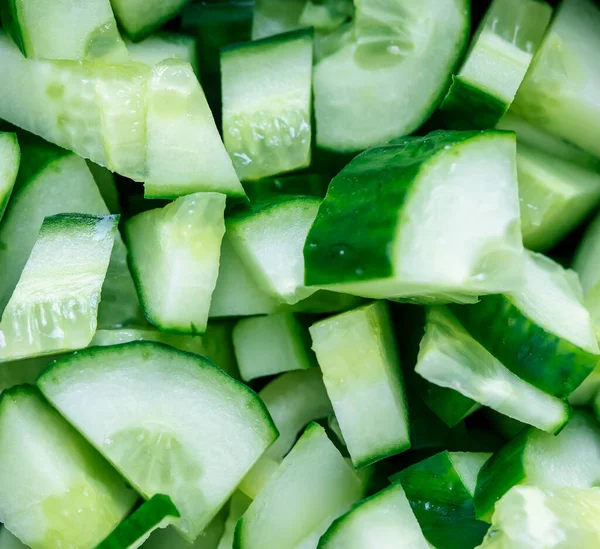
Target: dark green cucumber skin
column 144, row 519
column 10, row 21
column 537, row 356
column 441, row 503
column 356, row 224
column 449, row 405
column 467, row 107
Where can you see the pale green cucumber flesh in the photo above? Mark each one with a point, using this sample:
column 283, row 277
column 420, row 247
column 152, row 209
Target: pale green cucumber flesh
column 164, row 45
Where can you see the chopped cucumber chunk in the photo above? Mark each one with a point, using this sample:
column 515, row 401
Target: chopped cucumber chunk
column 433, row 218
column 171, row 422
column 267, row 104
column 174, row 254
column 164, row 45
column 361, row 371
column 54, row 306
column 10, row 156
column 55, row 489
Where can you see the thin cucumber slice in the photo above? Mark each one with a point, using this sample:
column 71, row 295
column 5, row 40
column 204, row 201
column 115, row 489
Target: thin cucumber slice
column 361, row 371
column 561, row 92
column 164, row 45
column 266, row 88
column 156, row 513
column 107, row 186
column 185, row 151
column 139, row 18
column 10, row 156
column 171, row 422
column 174, row 255
column 504, row 45
column 571, row 458
column 54, row 306
column 313, row 184
column 384, row 520
column 64, row 29
column 427, row 242
column 55, row 489
column 312, row 487
column 440, row 490
column 380, row 67
column 269, row 239
column 268, row 345
column 451, row 358
column 556, row 196
column 9, row 541
column 542, row 333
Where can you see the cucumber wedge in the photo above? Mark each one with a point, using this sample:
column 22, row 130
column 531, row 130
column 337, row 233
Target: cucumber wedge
column 449, row 357
column 266, row 88
column 164, row 45
column 139, row 18
column 55, row 489
column 428, row 242
column 174, row 255
column 64, row 29
column 54, row 306
column 171, row 422
column 372, row 87
column 10, row 156
column 384, row 520
column 542, row 333
column 311, row 488
column 571, row 458
column 361, row 371
column 561, row 92
column 504, row 45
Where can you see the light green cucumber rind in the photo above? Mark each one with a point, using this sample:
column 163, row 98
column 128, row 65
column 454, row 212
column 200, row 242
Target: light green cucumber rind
column 10, row 157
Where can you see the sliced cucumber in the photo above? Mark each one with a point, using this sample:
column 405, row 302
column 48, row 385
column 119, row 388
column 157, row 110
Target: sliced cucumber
column 10, row 156
column 379, row 65
column 451, row 358
column 64, row 29
column 55, row 489
column 174, row 254
column 400, row 222
column 164, row 45
column 542, row 333
column 312, row 487
column 266, row 89
column 561, row 92
column 504, row 45
column 361, row 371
column 54, row 306
column 440, row 490
column 571, row 458
column 140, row 17
column 170, row 421
column 185, row 151
column 384, row 520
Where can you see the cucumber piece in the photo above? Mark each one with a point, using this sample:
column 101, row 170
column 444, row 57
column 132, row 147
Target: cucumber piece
column 271, row 17
column 55, row 489
column 107, row 186
column 571, row 458
column 501, row 52
column 54, row 306
column 549, row 188
column 10, row 156
column 561, row 91
column 312, row 184
column 440, row 490
column 164, row 45
column 451, row 358
column 269, row 239
column 64, row 29
column 312, row 487
column 542, row 333
column 171, row 422
column 156, row 513
column 266, row 87
column 531, row 518
column 268, row 345
column 429, row 242
column 361, row 371
column 379, row 66
column 8, row 541
column 174, row 254
column 384, row 520
column 185, row 153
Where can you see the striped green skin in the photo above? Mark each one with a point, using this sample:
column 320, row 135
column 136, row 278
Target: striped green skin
column 541, row 358
column 442, row 503
column 449, row 405
column 135, row 529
